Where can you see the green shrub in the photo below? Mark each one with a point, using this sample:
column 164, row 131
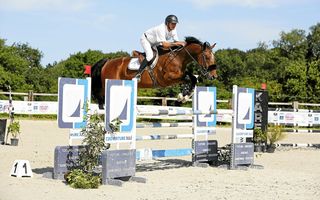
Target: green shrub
column 275, row 133
column 259, row 136
column 94, row 140
column 82, row 180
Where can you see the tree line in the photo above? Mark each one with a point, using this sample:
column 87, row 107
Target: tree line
column 290, row 67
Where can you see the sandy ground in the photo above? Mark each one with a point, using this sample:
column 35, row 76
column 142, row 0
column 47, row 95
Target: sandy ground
column 287, row 173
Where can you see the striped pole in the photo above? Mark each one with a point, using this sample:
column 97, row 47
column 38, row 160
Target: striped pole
column 164, row 137
column 160, row 125
column 301, row 131
column 179, row 112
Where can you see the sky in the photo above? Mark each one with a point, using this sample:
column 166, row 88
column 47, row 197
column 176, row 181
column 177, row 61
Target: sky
column 60, row 28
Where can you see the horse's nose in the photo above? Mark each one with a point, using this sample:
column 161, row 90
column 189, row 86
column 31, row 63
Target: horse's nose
column 213, row 75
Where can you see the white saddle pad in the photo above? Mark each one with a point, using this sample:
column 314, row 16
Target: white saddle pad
column 134, row 64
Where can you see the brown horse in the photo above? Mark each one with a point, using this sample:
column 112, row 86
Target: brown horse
column 169, row 70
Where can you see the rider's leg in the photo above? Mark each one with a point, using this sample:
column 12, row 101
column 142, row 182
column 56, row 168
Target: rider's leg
column 149, row 54
column 143, row 65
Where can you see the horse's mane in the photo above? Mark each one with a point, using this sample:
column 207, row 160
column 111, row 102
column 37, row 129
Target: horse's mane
column 192, row 40
column 189, row 40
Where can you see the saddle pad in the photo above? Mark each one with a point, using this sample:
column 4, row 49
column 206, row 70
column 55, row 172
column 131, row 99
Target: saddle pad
column 134, row 64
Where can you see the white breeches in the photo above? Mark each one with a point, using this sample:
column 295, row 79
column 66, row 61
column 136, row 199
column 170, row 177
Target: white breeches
column 147, row 47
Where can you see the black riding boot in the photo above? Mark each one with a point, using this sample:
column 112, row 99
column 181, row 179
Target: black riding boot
column 143, row 65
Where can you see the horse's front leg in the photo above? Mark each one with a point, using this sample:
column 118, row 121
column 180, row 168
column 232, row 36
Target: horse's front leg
column 173, row 75
column 190, row 82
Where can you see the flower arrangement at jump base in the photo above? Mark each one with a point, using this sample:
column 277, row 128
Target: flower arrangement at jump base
column 259, row 139
column 275, row 133
column 84, row 177
column 14, row 131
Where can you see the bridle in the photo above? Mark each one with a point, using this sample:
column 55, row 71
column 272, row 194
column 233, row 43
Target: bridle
column 204, row 69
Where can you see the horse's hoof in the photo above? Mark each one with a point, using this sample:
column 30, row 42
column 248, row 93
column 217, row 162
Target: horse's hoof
column 180, row 97
column 185, row 99
column 101, row 107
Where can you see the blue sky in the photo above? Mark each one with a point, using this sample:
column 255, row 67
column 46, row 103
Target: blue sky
column 59, row 28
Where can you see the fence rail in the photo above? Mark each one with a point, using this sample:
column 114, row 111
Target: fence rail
column 30, row 96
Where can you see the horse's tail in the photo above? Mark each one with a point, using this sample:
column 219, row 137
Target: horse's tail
column 96, row 84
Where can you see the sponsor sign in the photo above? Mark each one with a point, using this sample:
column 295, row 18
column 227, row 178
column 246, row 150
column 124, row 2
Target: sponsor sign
column 73, row 98
column 261, row 109
column 243, row 108
column 242, row 154
column 117, row 164
column 205, row 100
column 120, row 105
column 66, row 158
column 205, row 151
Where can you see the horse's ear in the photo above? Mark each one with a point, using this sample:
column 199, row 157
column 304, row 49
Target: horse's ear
column 213, row 45
column 205, row 45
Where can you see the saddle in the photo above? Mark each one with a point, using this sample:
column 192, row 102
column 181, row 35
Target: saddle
column 156, row 50
column 137, row 57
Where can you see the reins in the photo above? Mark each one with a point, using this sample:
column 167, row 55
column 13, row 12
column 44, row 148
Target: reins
column 203, row 69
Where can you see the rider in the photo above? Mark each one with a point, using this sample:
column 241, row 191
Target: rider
column 159, row 35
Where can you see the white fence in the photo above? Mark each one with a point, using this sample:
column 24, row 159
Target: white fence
column 294, row 117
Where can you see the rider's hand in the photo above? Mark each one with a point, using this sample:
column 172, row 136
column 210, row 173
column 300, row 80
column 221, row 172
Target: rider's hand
column 180, row 43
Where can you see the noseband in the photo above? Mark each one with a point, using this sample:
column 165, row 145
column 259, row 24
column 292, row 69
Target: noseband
column 204, row 70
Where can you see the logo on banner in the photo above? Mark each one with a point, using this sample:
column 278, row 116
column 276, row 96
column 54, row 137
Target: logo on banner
column 205, row 101
column 120, row 101
column 73, row 96
column 207, row 104
column 245, row 109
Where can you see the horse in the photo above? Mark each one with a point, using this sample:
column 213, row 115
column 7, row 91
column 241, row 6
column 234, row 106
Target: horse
column 169, row 70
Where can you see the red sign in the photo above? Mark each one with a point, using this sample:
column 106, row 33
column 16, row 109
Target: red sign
column 87, row 70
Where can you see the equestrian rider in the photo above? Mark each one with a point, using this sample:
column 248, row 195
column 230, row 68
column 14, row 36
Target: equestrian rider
column 159, row 35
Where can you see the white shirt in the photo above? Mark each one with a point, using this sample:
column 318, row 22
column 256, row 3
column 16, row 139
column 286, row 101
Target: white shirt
column 160, row 33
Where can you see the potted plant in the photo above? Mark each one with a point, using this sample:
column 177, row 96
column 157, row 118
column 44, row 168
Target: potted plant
column 14, row 130
column 259, row 139
column 274, row 134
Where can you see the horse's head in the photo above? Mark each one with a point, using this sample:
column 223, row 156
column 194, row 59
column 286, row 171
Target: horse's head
column 207, row 61
column 204, row 56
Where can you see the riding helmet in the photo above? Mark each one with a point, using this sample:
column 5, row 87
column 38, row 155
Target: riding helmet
column 172, row 19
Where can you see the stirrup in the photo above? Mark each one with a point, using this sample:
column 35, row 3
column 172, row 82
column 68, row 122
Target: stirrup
column 138, row 77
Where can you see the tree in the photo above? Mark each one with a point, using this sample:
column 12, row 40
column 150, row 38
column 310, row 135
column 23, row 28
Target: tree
column 313, row 79
column 314, row 42
column 295, row 85
column 293, row 45
column 231, row 64
column 32, row 56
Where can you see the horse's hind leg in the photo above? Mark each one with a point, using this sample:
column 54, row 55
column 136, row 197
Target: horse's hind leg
column 100, row 103
column 100, row 99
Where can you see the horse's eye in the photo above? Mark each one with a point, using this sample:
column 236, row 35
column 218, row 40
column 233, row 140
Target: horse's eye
column 208, row 56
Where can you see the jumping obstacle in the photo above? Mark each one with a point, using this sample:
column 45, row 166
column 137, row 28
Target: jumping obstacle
column 204, row 121
column 242, row 123
column 204, row 113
